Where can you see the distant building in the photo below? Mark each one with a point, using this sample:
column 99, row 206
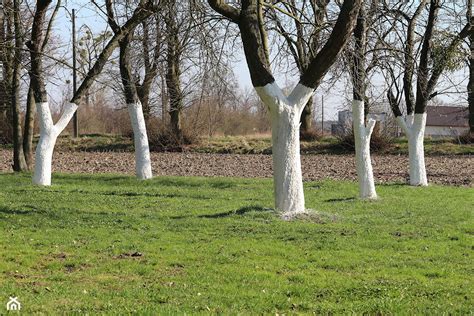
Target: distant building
column 446, row 121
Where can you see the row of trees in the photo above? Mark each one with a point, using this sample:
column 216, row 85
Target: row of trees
column 405, row 44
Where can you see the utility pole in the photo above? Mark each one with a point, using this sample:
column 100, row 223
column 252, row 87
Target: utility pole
column 75, row 120
column 322, row 115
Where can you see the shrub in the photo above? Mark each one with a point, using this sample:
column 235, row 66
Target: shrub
column 162, row 138
column 380, row 141
column 467, row 138
column 310, row 135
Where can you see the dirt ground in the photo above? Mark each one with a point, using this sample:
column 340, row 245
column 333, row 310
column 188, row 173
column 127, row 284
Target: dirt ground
column 452, row 170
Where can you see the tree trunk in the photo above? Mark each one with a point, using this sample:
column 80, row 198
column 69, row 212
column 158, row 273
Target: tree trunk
column 285, row 115
column 135, row 110
column 307, row 116
column 362, row 136
column 287, row 176
column 175, row 98
column 144, row 97
column 29, row 129
column 416, row 151
column 362, row 133
column 414, row 128
column 49, row 133
column 142, row 150
column 470, row 85
column 173, row 73
column 19, row 163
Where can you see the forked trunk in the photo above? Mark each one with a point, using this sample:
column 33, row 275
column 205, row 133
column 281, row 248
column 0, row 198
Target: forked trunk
column 414, row 128
column 142, row 150
column 49, row 133
column 285, row 114
column 362, row 136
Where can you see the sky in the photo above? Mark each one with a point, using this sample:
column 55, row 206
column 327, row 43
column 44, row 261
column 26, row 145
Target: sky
column 335, row 97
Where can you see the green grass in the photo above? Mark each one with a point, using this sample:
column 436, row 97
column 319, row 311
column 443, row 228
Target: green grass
column 110, row 244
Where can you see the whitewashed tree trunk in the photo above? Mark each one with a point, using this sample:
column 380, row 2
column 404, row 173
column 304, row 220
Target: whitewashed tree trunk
column 49, row 133
column 414, row 128
column 287, row 177
column 416, row 151
column 362, row 136
column 142, row 150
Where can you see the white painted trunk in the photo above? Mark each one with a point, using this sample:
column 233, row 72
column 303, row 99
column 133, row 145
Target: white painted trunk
column 414, row 128
column 142, row 150
column 44, row 158
column 287, row 176
column 48, row 136
column 362, row 136
column 416, row 152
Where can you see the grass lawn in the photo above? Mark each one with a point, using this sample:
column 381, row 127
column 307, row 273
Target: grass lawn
column 110, row 244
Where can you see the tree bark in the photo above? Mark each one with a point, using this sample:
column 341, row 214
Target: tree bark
column 307, row 116
column 29, row 128
column 173, row 73
column 19, row 163
column 470, row 85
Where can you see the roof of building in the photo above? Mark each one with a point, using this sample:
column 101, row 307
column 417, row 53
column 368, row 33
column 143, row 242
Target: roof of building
column 454, row 116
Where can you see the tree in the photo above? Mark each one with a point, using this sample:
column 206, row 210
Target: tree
column 430, row 65
column 174, row 50
column 285, row 110
column 19, row 162
column 142, row 150
column 470, row 85
column 48, row 130
column 362, row 131
column 306, row 19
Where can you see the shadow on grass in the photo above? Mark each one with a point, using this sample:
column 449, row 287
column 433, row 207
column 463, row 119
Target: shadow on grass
column 212, row 183
column 241, row 211
column 394, row 184
column 348, row 199
column 26, row 211
column 96, row 179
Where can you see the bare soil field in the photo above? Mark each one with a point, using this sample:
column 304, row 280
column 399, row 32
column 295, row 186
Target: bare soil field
column 451, row 170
